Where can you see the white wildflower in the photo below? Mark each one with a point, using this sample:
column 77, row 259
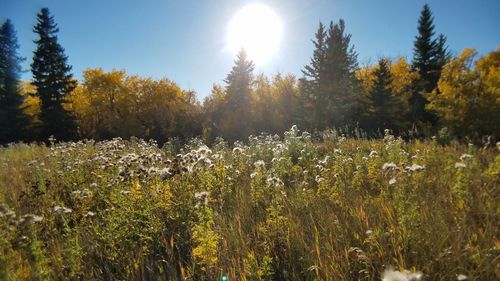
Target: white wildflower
column 465, row 156
column 124, row 192
column 89, row 214
column 392, row 181
column 30, row 218
column 165, row 174
column 58, row 210
column 460, row 165
column 389, row 166
column 237, row 150
column 202, row 197
column 416, row 168
column 253, row 175
column 274, row 181
column 394, row 275
column 93, row 185
column 75, row 193
column 319, row 179
column 259, row 163
column 462, row 277
column 373, row 153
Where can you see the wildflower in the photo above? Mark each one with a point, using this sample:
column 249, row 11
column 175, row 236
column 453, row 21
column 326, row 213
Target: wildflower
column 416, row 168
column 204, row 150
column 253, row 175
column 259, row 163
column 274, row 181
column 368, row 232
column 320, row 167
column 394, row 275
column 373, row 153
column 202, row 197
column 30, row 218
column 462, row 277
column 89, row 214
column 165, row 174
column 58, row 210
column 124, row 192
column 460, row 165
column 237, row 150
column 465, row 156
column 75, row 193
column 392, row 181
column 389, row 166
column 93, row 185
column 319, row 179
column 6, row 212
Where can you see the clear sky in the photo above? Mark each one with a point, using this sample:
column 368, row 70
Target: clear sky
column 184, row 40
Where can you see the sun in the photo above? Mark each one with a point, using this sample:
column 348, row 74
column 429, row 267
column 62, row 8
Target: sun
column 257, row 29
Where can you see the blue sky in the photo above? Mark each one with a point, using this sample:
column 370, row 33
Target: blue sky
column 184, row 40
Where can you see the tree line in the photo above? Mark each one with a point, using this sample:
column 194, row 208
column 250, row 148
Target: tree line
column 432, row 91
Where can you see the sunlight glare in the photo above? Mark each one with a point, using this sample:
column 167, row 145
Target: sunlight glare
column 257, row 29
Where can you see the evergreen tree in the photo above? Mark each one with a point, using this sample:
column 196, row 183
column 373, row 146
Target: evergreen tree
column 52, row 78
column 237, row 107
column 443, row 55
column 329, row 80
column 384, row 105
column 313, row 83
column 13, row 121
column 429, row 57
column 341, row 83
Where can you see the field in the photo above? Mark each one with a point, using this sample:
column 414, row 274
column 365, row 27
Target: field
column 276, row 208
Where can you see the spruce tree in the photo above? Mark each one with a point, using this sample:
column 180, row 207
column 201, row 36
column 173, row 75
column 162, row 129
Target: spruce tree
column 341, row 83
column 13, row 121
column 52, row 78
column 329, row 80
column 237, row 107
column 443, row 55
column 384, row 105
column 313, row 83
column 429, row 56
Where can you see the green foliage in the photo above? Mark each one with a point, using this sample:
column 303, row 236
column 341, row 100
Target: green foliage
column 276, row 208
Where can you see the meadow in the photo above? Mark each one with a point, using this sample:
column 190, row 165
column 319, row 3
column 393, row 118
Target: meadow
column 274, row 208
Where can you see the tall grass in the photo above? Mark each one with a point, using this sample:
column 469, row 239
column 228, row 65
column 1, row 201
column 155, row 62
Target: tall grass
column 277, row 208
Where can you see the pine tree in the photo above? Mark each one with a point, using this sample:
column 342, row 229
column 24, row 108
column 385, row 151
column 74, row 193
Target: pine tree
column 429, row 57
column 384, row 105
column 237, row 107
column 341, row 83
column 52, row 78
column 13, row 121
